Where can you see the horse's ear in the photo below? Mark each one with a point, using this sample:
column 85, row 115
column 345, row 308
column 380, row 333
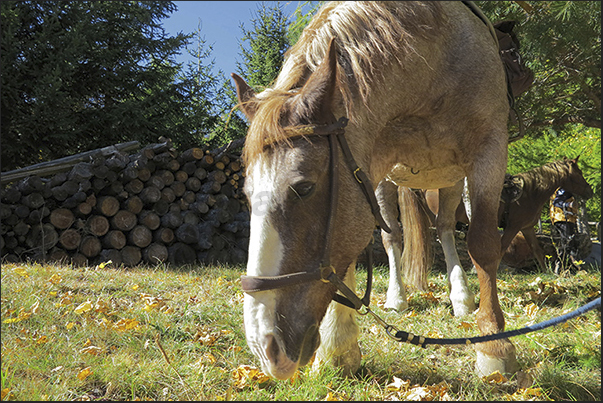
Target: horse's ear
column 316, row 97
column 246, row 96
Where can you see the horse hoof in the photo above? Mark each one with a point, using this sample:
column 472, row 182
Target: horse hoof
column 398, row 305
column 487, row 364
column 464, row 307
column 349, row 362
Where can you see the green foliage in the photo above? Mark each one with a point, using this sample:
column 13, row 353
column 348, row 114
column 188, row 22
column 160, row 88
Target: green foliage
column 81, row 75
column 263, row 47
column 561, row 42
column 300, row 19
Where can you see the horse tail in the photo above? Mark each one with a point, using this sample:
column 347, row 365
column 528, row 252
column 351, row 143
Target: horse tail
column 417, row 255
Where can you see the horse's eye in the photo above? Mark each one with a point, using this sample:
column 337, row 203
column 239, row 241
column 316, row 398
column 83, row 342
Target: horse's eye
column 303, row 189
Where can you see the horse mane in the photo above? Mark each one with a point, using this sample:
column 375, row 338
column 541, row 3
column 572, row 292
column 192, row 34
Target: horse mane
column 369, row 36
column 539, row 179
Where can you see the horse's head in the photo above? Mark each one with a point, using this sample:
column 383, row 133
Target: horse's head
column 288, row 185
column 575, row 181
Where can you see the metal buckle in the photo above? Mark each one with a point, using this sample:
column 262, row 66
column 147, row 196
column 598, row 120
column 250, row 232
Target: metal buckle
column 325, row 272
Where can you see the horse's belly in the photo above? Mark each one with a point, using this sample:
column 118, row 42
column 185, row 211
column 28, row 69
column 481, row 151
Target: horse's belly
column 434, row 178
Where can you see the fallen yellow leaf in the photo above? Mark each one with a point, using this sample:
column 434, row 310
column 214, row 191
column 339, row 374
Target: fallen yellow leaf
column 70, row 325
column 125, row 324
column 397, row 385
column 84, row 373
column 42, row 340
column 21, row 272
column 495, row 377
column 55, row 279
column 92, row 350
column 84, row 307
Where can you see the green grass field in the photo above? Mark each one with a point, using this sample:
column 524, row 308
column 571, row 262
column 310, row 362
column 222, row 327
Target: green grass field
column 104, row 333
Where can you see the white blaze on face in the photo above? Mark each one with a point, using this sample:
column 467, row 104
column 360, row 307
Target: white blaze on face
column 265, row 255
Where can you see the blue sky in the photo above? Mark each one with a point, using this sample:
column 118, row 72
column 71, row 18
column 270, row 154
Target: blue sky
column 220, row 25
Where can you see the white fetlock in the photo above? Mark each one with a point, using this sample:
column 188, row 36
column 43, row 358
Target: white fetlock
column 487, row 364
column 396, row 300
column 463, row 306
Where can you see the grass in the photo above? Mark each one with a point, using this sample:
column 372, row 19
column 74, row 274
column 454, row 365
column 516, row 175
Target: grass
column 166, row 333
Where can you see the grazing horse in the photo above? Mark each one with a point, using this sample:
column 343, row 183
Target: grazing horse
column 517, row 214
column 411, row 91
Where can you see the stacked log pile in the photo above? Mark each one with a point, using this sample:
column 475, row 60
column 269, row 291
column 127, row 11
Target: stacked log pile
column 156, row 205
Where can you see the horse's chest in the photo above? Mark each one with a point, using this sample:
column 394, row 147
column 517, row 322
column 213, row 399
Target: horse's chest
column 433, row 178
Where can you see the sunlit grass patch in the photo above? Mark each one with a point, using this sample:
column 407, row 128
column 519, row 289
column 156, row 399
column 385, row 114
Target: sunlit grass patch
column 176, row 334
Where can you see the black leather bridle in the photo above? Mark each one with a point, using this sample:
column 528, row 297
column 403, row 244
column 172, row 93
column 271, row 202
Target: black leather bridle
column 335, row 134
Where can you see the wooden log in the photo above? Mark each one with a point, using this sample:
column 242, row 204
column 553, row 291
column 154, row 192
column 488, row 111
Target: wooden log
column 210, row 187
column 97, row 225
column 140, row 236
column 83, row 209
column 114, row 239
column 100, row 171
column 107, row 205
column 150, row 195
column 131, row 255
column 134, row 186
column 164, row 235
column 200, row 173
column 149, row 219
column 90, row 246
column 189, row 167
column 192, row 154
column 36, row 216
column 161, row 207
column 181, row 254
column 112, row 255
column 156, row 181
column 190, row 217
column 21, row 228
column 168, row 194
column 155, row 253
column 124, row 220
column 206, row 162
column 11, row 195
column 80, row 171
column 42, row 236
column 33, row 200
column 167, row 176
column 180, row 176
column 199, row 207
column 171, row 220
column 178, row 187
column 187, row 233
column 193, row 184
column 29, row 184
column 58, row 255
column 79, row 260
column 133, row 204
column 62, row 218
column 65, row 163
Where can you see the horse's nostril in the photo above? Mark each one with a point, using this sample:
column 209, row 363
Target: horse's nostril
column 272, row 349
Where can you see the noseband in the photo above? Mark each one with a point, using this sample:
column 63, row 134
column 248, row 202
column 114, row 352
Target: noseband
column 335, row 134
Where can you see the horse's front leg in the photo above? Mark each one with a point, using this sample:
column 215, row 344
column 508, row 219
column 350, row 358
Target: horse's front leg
column 485, row 249
column 387, row 197
column 463, row 300
column 339, row 334
column 530, row 235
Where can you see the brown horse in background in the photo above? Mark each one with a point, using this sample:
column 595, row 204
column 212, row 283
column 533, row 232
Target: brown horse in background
column 518, row 212
column 424, row 89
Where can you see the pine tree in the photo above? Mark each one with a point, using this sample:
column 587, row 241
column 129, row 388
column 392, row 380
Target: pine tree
column 264, row 46
column 82, row 75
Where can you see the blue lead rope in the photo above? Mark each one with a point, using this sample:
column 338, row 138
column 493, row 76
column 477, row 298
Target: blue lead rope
column 421, row 341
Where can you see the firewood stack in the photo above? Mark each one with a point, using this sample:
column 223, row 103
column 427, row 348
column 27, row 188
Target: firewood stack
column 157, row 205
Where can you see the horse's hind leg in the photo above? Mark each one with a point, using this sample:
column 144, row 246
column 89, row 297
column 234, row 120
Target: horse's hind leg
column 463, row 300
column 387, row 197
column 339, row 334
column 485, row 249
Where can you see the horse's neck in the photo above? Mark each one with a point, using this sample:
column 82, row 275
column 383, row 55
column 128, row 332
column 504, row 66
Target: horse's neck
column 543, row 189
